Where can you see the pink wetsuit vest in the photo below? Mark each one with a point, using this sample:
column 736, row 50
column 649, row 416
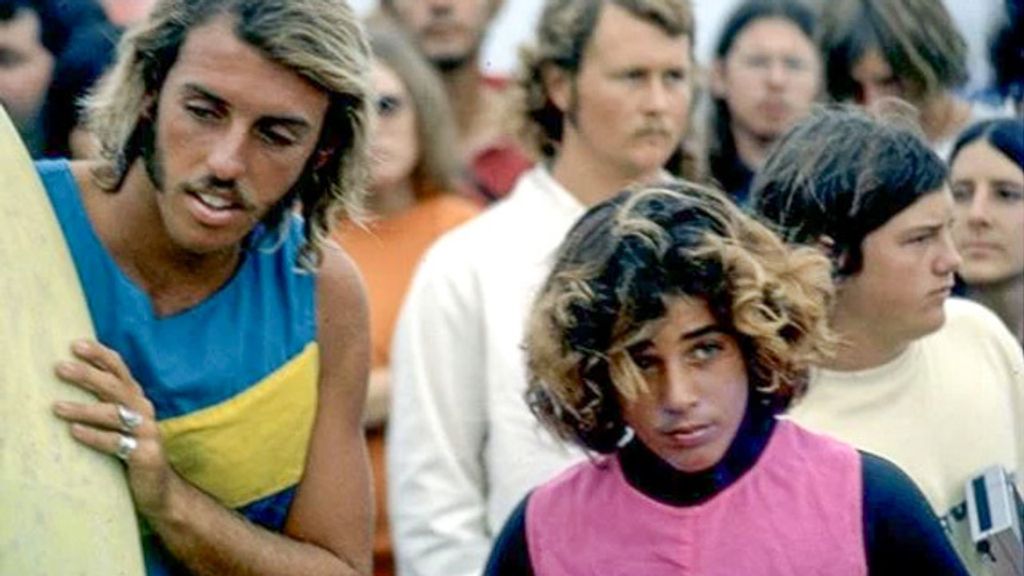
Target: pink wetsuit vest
column 796, row 512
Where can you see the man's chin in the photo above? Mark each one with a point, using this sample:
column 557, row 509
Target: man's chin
column 451, row 62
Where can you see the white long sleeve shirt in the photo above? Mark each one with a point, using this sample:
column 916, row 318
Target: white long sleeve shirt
column 463, row 447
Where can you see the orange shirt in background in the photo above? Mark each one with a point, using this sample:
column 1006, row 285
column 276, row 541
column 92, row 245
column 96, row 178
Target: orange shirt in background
column 388, row 252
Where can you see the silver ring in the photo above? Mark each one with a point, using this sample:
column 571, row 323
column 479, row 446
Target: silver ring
column 125, row 446
column 130, row 419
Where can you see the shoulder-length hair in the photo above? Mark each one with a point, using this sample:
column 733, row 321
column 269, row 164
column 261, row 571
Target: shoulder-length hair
column 917, row 38
column 437, row 168
column 608, row 290
column 321, row 40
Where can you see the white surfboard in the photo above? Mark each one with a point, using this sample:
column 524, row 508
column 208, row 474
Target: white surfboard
column 65, row 510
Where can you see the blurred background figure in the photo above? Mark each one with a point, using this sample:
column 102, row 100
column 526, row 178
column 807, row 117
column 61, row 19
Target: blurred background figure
column 765, row 77
column 1006, row 52
column 449, row 34
column 89, row 51
column 126, row 12
column 34, row 36
column 987, row 172
column 413, row 196
column 909, row 49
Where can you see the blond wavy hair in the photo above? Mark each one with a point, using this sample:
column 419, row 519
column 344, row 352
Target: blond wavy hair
column 608, row 290
column 321, row 40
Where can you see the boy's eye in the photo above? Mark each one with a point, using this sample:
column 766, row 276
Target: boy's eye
column 705, row 351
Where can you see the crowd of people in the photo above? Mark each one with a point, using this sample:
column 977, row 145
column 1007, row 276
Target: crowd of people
column 362, row 308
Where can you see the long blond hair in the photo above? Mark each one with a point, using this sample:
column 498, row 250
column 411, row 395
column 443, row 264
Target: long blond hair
column 321, row 40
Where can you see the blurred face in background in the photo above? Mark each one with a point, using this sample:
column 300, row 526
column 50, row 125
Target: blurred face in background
column 393, row 143
column 988, row 189
column 447, row 32
column 876, row 80
column 626, row 109
column 26, row 67
column 769, row 79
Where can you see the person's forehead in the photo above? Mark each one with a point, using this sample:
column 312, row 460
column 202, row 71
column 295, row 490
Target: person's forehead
column 214, row 58
column 22, row 31
column 622, row 36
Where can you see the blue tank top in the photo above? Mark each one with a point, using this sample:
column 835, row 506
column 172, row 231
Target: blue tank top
column 233, row 379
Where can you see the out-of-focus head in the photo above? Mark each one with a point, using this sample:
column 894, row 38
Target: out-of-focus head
column 873, row 49
column 413, row 135
column 320, row 41
column 666, row 310
column 767, row 74
column 448, row 33
column 33, row 35
column 1006, row 51
column 90, row 51
column 987, row 174
column 615, row 71
column 883, row 213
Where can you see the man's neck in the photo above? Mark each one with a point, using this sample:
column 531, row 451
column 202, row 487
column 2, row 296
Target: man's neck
column 129, row 225
column 391, row 200
column 863, row 344
column 943, row 116
column 750, row 149
column 1006, row 299
column 475, row 106
column 591, row 181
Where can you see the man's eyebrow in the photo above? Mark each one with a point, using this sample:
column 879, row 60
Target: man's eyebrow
column 191, row 89
column 296, row 123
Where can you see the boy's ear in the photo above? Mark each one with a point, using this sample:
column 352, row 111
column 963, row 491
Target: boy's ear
column 827, row 246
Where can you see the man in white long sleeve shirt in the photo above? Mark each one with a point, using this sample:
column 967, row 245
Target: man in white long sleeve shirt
column 608, row 93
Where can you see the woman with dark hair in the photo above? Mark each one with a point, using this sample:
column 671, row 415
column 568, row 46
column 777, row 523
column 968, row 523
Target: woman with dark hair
column 670, row 333
column 987, row 174
column 766, row 76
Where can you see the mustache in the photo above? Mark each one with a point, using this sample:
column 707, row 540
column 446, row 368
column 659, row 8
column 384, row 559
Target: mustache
column 655, row 129
column 210, row 184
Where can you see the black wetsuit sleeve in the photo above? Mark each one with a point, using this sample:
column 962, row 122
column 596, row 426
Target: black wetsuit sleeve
column 511, row 555
column 901, row 533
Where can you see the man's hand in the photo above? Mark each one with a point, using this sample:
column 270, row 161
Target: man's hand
column 122, row 415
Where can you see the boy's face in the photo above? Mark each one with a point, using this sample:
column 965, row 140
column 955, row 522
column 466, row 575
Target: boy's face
column 697, row 388
column 906, row 273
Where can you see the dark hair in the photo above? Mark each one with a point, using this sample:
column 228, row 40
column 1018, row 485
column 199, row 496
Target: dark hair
column 1004, row 134
column 721, row 147
column 1006, row 52
column 58, row 19
column 917, row 38
column 88, row 53
column 608, row 288
column 842, row 174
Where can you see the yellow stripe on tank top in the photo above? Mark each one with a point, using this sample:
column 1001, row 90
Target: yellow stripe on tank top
column 252, row 445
